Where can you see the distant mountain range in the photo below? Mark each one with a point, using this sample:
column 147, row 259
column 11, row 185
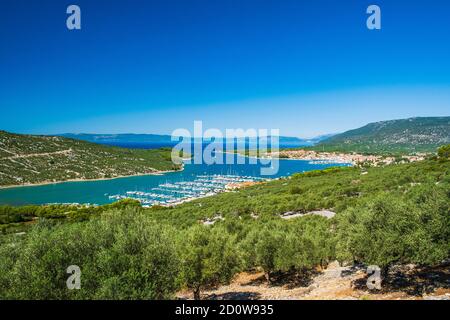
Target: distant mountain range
column 393, row 136
column 160, row 140
column 27, row 159
column 119, row 138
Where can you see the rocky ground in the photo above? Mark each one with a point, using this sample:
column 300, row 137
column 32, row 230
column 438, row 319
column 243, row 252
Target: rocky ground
column 336, row 283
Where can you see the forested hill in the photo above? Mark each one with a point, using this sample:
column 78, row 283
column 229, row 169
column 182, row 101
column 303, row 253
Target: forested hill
column 30, row 159
column 394, row 136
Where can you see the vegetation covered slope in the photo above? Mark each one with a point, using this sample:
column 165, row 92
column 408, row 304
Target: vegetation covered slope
column 394, row 136
column 29, row 159
column 334, row 189
column 392, row 215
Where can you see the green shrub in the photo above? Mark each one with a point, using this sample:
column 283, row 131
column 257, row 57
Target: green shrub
column 444, row 152
column 209, row 257
column 122, row 255
column 387, row 230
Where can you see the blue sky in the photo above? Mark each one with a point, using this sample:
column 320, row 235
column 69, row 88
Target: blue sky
column 305, row 67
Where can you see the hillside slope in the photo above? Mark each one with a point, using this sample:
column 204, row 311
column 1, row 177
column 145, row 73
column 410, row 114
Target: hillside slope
column 260, row 253
column 28, row 159
column 393, row 136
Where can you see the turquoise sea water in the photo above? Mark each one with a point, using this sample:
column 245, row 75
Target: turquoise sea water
column 99, row 192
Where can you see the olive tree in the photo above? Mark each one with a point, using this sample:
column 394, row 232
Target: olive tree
column 209, row 257
column 390, row 230
column 121, row 255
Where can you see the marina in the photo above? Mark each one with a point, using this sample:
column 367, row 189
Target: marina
column 172, row 188
column 168, row 194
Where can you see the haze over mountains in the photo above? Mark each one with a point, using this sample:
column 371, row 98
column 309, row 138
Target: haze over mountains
column 160, row 140
column 422, row 134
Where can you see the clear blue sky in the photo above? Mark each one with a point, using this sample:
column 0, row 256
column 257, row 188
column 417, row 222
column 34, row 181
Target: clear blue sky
column 305, row 67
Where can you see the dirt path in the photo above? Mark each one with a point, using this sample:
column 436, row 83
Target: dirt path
column 334, row 283
column 18, row 156
column 5, row 150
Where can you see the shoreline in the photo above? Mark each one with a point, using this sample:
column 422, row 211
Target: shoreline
column 271, row 156
column 350, row 158
column 156, row 173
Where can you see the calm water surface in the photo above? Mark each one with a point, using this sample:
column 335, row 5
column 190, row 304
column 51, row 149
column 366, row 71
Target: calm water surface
column 98, row 192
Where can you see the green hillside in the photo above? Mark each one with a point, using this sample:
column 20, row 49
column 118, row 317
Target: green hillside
column 29, row 159
column 386, row 216
column 394, row 136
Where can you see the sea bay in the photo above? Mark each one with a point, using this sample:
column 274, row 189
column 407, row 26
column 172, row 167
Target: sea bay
column 103, row 191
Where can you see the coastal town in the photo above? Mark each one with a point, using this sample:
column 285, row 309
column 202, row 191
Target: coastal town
column 349, row 158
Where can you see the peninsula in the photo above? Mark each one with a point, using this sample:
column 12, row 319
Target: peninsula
column 32, row 160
